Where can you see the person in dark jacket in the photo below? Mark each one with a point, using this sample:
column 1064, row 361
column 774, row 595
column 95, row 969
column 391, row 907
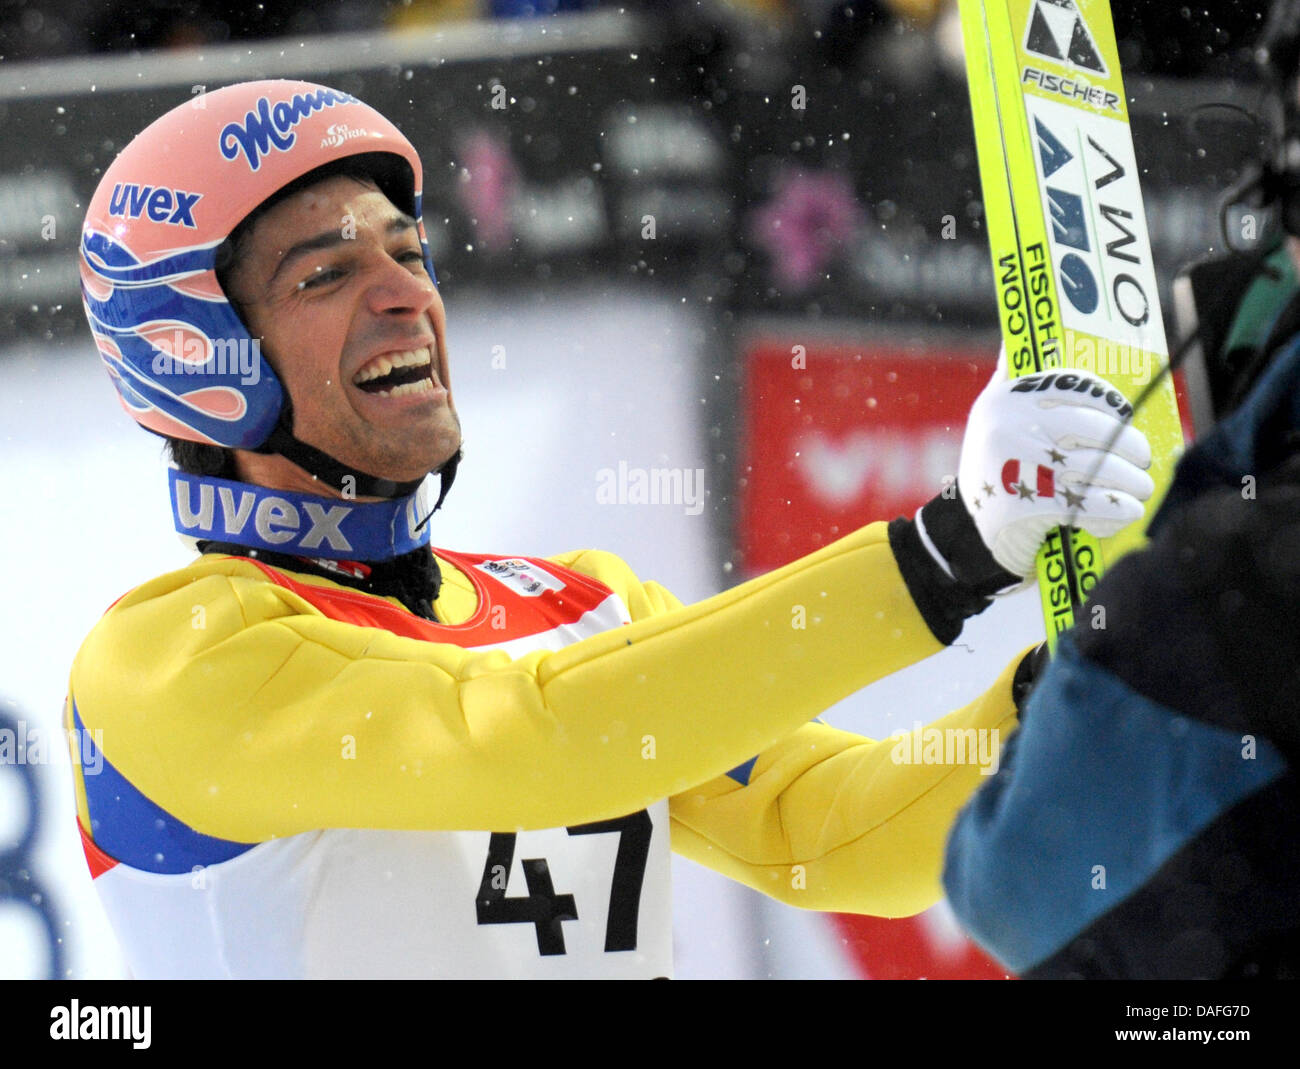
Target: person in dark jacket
column 1145, row 822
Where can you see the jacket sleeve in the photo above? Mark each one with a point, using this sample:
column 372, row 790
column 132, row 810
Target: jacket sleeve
column 237, row 707
column 830, row 820
column 1099, row 848
column 825, row 819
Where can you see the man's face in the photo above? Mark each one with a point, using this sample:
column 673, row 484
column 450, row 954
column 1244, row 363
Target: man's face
column 332, row 280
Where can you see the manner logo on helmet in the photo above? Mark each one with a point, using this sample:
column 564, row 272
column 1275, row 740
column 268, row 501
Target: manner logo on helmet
column 1057, row 31
column 172, row 206
column 271, row 125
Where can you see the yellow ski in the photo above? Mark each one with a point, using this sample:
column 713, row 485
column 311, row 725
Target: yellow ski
column 1072, row 260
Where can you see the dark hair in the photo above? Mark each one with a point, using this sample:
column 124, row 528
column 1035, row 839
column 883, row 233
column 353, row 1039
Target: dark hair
column 390, row 173
column 196, row 458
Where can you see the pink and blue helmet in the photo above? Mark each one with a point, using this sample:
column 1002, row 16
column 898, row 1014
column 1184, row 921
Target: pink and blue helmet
column 172, row 342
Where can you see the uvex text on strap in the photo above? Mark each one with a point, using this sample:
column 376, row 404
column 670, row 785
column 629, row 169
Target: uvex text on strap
column 205, row 507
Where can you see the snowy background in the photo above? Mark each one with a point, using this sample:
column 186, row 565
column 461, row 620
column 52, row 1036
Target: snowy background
column 853, row 226
column 590, row 378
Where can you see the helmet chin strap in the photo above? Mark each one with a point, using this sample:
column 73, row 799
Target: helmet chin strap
column 446, row 476
column 335, row 474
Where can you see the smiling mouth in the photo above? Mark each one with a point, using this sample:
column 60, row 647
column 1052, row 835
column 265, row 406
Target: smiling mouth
column 399, row 374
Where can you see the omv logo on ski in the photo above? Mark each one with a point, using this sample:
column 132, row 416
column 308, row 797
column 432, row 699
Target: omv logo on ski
column 270, row 127
column 1098, row 237
column 161, row 204
column 1056, row 31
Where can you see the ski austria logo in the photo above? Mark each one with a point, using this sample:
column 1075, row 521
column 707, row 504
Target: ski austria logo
column 270, row 127
column 1097, row 232
column 340, row 132
column 1056, row 31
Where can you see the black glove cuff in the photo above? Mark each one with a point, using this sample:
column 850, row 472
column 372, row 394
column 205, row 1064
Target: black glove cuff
column 954, row 534
column 945, row 603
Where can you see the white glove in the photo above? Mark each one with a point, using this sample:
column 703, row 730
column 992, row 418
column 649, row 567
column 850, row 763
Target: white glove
column 1038, row 453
